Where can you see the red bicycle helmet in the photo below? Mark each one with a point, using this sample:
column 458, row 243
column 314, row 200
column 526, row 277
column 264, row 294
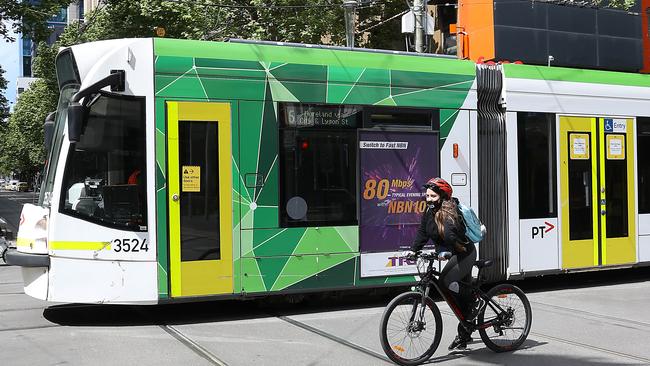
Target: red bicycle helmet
column 440, row 186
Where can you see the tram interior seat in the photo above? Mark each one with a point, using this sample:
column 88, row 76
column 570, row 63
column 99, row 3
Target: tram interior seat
column 121, row 203
column 80, row 201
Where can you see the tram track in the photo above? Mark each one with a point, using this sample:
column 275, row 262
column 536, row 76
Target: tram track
column 34, row 327
column 21, row 309
column 645, row 360
column 182, row 338
column 11, row 283
column 629, row 356
column 192, row 345
column 590, row 315
column 333, row 338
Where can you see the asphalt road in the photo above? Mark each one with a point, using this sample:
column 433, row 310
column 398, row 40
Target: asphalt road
column 11, row 204
column 581, row 320
column 584, row 319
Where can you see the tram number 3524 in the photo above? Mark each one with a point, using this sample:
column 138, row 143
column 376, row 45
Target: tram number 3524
column 130, row 245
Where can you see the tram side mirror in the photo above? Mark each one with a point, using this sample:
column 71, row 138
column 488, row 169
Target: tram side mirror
column 75, row 121
column 48, row 131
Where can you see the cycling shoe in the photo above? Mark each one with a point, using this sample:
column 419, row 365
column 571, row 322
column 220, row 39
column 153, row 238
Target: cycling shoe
column 459, row 343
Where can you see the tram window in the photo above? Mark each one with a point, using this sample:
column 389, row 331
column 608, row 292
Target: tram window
column 616, row 191
column 392, row 117
column 318, row 165
column 537, row 162
column 105, row 179
column 643, row 151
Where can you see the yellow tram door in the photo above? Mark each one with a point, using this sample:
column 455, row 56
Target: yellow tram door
column 199, row 198
column 597, row 191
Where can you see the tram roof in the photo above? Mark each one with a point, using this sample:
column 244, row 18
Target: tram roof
column 262, row 51
column 251, row 50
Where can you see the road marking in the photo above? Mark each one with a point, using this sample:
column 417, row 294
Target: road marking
column 197, row 348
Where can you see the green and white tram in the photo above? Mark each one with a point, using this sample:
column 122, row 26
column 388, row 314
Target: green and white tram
column 188, row 169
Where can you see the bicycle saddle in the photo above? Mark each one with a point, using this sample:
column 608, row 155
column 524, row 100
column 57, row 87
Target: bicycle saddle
column 483, row 263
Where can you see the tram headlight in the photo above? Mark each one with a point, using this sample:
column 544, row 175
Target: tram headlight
column 40, row 242
column 42, row 224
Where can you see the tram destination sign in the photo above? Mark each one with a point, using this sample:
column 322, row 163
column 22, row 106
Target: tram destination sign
column 310, row 115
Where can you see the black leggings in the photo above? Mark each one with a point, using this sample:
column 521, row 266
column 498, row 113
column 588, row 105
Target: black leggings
column 459, row 268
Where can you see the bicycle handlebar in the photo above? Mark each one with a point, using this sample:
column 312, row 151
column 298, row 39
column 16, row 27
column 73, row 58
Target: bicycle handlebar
column 432, row 256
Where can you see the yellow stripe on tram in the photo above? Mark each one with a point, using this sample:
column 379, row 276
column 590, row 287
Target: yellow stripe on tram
column 80, row 245
column 22, row 242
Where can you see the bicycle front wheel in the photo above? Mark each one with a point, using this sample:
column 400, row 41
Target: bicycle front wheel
column 514, row 319
column 409, row 333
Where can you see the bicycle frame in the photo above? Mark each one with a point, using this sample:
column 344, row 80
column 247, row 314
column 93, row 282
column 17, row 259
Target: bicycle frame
column 431, row 278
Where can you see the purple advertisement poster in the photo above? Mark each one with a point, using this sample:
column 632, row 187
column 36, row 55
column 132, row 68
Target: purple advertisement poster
column 393, row 167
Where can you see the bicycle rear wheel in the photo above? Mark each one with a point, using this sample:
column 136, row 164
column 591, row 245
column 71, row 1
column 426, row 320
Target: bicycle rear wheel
column 407, row 337
column 517, row 318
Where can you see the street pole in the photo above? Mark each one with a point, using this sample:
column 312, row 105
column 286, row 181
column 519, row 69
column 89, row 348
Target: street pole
column 350, row 9
column 418, row 10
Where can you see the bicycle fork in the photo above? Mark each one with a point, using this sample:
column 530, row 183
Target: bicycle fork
column 417, row 316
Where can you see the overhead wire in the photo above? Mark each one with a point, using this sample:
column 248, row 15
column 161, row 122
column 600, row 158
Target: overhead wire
column 383, row 22
column 361, row 5
column 82, row 29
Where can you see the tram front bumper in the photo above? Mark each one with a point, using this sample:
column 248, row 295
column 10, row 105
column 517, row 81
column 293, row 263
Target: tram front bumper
column 13, row 257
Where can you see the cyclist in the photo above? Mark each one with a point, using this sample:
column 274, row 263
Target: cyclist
column 442, row 222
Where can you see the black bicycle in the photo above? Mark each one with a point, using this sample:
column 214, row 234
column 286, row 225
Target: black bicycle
column 411, row 326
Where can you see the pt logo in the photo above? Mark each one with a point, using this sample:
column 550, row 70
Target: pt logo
column 539, row 231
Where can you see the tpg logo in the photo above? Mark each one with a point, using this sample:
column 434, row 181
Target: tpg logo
column 541, row 230
column 396, row 261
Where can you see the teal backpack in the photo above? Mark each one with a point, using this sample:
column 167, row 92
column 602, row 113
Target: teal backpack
column 474, row 229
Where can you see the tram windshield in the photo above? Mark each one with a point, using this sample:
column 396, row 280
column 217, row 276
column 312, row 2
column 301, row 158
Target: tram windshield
column 105, row 179
column 53, row 155
column 68, row 81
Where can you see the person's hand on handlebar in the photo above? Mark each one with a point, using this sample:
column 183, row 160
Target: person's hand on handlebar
column 443, row 256
column 413, row 255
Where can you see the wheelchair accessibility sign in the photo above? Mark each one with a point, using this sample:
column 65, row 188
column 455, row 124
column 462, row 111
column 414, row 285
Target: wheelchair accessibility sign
column 615, row 125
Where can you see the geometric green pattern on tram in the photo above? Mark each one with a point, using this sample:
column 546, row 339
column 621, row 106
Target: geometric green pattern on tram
column 296, row 269
column 272, row 267
column 223, row 64
column 306, row 74
column 265, row 217
column 251, row 119
column 423, row 80
column 282, row 243
column 267, row 165
column 170, row 65
column 340, row 83
column 313, row 242
column 350, row 235
column 312, row 85
column 371, row 87
column 252, row 280
column 161, row 200
column 339, row 275
column 447, row 119
column 187, row 85
column 236, row 208
column 256, row 78
column 227, row 89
